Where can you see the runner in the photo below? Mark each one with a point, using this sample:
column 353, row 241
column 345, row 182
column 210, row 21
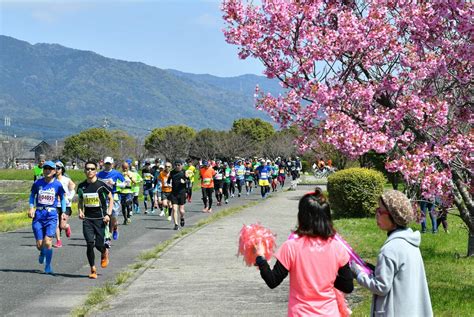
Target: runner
column 263, row 172
column 219, row 181
column 148, row 180
column 38, row 169
column 69, row 189
column 178, row 180
column 240, row 178
column 207, row 185
column 113, row 179
column 95, row 209
column 233, row 179
column 166, row 190
column 281, row 174
column 157, row 191
column 126, row 193
column 43, row 201
column 136, row 189
column 227, row 182
column 249, row 177
column 274, row 181
column 190, row 171
column 255, row 164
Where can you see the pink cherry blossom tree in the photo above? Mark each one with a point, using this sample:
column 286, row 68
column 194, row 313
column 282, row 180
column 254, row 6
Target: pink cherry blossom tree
column 393, row 76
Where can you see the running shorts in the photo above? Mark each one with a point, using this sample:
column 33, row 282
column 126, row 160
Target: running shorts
column 44, row 223
column 178, row 198
column 263, row 182
column 165, row 196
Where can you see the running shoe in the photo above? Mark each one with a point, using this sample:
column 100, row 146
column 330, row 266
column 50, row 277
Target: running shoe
column 153, row 211
column 93, row 274
column 115, row 234
column 239, row 195
column 169, row 218
column 205, row 209
column 41, row 257
column 48, row 269
column 226, row 201
column 232, row 195
column 129, row 221
column 104, row 259
column 210, row 210
column 162, row 213
column 58, row 244
column 107, row 244
column 182, row 222
column 145, row 212
column 176, row 227
column 68, row 231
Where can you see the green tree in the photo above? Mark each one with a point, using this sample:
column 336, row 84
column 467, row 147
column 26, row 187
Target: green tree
column 206, row 144
column 253, row 128
column 91, row 144
column 171, row 142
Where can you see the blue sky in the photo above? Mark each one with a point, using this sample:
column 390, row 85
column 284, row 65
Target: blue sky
column 182, row 34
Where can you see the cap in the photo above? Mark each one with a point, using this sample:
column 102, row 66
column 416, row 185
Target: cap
column 226, row 164
column 129, row 161
column 399, row 207
column 49, row 164
column 268, row 161
column 161, row 166
column 109, row 160
column 205, row 163
column 147, row 162
column 59, row 164
column 180, row 162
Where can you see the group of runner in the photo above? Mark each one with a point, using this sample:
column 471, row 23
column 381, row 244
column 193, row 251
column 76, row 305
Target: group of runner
column 104, row 194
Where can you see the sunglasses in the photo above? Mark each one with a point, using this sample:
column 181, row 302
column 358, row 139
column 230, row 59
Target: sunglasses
column 88, row 169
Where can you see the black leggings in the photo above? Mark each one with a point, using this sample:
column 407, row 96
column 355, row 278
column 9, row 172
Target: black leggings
column 147, row 193
column 232, row 187
column 226, row 190
column 239, row 185
column 207, row 197
column 93, row 230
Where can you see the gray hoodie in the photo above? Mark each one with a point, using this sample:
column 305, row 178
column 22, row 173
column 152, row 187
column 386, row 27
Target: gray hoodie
column 399, row 282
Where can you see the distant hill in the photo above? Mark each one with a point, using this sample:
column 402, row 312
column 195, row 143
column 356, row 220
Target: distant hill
column 51, row 91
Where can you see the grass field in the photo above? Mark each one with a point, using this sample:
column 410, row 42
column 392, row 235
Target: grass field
column 450, row 274
column 13, row 174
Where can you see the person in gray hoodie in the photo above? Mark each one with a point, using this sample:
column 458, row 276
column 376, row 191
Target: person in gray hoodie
column 399, row 281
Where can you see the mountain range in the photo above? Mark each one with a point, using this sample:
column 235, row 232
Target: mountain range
column 51, row 91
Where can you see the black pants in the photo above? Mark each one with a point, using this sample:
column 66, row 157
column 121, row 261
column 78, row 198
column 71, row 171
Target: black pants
column 93, row 230
column 226, row 190
column 232, row 187
column 207, row 197
column 126, row 201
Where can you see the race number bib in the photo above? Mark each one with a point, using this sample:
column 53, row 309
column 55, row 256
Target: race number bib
column 263, row 175
column 218, row 177
column 240, row 172
column 206, row 181
column 232, row 173
column 91, row 200
column 46, row 197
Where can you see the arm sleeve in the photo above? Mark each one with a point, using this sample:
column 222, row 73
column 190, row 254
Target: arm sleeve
column 380, row 283
column 344, row 281
column 272, row 277
column 63, row 203
column 32, row 199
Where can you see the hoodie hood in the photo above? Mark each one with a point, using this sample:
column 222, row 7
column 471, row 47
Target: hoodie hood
column 412, row 237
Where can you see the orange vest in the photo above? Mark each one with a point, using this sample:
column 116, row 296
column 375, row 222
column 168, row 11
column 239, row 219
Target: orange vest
column 165, row 187
column 207, row 177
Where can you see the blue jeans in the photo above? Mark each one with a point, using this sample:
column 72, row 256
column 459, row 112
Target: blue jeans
column 428, row 207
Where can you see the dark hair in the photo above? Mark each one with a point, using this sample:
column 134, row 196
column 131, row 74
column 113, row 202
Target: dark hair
column 314, row 216
column 90, row 162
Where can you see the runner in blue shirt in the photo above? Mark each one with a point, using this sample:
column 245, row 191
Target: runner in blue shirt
column 240, row 175
column 110, row 176
column 264, row 171
column 43, row 201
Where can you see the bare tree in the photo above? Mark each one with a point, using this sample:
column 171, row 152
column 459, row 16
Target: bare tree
column 10, row 149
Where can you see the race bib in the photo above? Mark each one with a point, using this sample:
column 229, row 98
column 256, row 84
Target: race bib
column 247, row 173
column 91, row 200
column 206, row 181
column 232, row 173
column 263, row 175
column 218, row 177
column 240, row 172
column 46, row 197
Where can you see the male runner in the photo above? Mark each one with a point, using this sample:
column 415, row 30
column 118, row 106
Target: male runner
column 43, row 201
column 249, row 177
column 178, row 180
column 166, row 190
column 38, row 169
column 126, row 193
column 190, row 171
column 148, row 180
column 207, row 185
column 219, row 182
column 240, row 178
column 227, row 182
column 112, row 178
column 95, row 209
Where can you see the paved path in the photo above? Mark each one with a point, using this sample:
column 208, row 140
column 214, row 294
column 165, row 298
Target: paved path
column 25, row 291
column 200, row 274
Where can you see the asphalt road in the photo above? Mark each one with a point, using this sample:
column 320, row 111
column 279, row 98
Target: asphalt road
column 25, row 290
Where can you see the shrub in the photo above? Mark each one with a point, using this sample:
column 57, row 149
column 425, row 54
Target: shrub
column 354, row 192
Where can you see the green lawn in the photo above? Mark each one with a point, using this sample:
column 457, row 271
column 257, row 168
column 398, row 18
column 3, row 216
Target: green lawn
column 14, row 174
column 450, row 274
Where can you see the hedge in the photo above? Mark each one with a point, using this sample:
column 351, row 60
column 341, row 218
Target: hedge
column 354, row 192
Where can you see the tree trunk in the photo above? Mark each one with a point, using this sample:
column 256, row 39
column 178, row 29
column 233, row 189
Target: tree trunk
column 464, row 203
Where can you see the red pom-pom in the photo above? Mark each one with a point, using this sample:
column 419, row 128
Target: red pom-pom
column 252, row 235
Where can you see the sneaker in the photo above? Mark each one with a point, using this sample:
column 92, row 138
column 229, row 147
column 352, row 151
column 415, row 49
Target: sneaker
column 182, row 222
column 169, row 218
column 41, row 257
column 104, row 259
column 124, row 222
column 205, row 209
column 58, row 244
column 176, row 227
column 162, row 213
column 232, row 195
column 248, row 193
column 153, row 211
column 129, row 221
column 107, row 244
column 226, row 201
column 48, row 269
column 145, row 212
column 93, row 274
column 115, row 234
column 68, row 231
column 239, row 195
column 209, row 210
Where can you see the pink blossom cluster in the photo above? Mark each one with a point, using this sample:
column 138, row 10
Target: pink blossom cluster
column 394, row 76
